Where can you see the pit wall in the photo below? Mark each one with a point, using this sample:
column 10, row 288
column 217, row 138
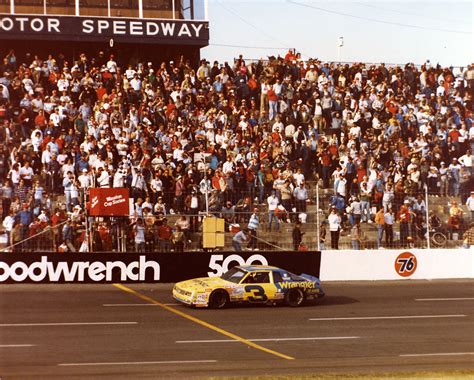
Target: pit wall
column 414, row 264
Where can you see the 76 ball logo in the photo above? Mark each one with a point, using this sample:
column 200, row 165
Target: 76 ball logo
column 405, row 264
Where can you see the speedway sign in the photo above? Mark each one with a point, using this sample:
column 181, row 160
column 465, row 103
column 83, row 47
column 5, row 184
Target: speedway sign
column 99, row 29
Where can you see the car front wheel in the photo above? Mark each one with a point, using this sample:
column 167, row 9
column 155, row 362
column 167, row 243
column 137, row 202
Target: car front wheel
column 218, row 299
column 294, row 298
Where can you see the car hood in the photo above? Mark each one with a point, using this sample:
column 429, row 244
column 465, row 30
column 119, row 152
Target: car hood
column 203, row 283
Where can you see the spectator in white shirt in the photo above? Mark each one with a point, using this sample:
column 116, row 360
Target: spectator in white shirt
column 112, row 65
column 228, row 167
column 136, row 83
column 273, row 203
column 103, row 177
column 8, row 224
column 470, row 205
column 334, row 227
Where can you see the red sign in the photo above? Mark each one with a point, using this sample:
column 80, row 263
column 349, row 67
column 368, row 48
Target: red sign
column 405, row 264
column 109, row 202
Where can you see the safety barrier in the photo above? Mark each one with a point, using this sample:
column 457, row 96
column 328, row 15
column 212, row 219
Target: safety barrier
column 397, row 264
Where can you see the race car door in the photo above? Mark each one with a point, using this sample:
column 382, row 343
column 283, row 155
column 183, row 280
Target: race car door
column 258, row 287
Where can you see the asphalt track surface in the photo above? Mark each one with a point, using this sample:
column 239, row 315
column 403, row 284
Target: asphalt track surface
column 104, row 331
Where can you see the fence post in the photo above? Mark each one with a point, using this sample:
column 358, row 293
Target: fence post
column 317, row 215
column 206, row 195
column 427, row 218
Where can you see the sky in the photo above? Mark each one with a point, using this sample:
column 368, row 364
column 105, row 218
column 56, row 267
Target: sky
column 372, row 31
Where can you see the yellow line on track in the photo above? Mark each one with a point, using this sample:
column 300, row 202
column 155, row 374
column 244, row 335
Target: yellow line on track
column 202, row 323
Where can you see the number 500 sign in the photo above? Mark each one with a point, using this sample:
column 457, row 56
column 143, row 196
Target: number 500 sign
column 220, row 269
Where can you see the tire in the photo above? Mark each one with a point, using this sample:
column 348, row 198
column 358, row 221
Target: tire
column 439, row 239
column 218, row 299
column 295, row 297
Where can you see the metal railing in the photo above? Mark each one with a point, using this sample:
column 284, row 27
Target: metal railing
column 444, row 230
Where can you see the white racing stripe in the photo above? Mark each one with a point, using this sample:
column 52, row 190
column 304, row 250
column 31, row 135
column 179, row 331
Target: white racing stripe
column 66, row 324
column 137, row 363
column 439, row 354
column 16, row 345
column 445, row 299
column 268, row 339
column 136, row 304
column 389, row 317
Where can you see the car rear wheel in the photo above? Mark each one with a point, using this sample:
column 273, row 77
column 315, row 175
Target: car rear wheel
column 294, row 298
column 218, row 299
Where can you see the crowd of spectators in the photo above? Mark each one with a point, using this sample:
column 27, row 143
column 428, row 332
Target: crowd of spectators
column 227, row 137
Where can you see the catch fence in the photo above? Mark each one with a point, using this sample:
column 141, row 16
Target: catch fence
column 431, row 221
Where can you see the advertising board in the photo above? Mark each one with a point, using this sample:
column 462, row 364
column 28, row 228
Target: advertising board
column 408, row 264
column 146, row 267
column 109, row 202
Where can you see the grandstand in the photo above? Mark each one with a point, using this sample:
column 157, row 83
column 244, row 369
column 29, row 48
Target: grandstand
column 327, row 144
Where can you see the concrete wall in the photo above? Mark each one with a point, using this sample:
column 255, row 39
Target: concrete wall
column 397, row 264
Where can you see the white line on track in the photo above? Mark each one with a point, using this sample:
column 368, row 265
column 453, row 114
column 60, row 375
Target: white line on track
column 136, row 304
column 439, row 354
column 16, row 345
column 138, row 363
column 445, row 299
column 66, row 324
column 389, row 317
column 267, row 339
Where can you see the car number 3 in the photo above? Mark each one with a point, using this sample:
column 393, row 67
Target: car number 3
column 257, row 293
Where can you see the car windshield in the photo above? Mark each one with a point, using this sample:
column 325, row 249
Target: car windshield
column 287, row 276
column 234, row 275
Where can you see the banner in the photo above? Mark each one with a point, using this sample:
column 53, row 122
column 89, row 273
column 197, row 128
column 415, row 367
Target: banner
column 109, row 202
column 147, row 267
column 102, row 29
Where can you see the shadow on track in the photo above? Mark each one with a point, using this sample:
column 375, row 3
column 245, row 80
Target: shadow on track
column 325, row 301
column 335, row 300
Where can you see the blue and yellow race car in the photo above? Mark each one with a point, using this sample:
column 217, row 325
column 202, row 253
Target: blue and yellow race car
column 252, row 284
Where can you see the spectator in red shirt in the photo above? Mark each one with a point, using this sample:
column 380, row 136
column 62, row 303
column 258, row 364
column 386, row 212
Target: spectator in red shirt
column 164, row 233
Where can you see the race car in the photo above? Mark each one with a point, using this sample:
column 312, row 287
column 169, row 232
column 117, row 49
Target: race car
column 256, row 284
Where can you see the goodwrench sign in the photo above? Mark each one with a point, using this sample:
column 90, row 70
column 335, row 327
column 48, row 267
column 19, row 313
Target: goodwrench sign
column 130, row 267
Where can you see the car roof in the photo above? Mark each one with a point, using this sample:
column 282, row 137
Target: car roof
column 252, row 268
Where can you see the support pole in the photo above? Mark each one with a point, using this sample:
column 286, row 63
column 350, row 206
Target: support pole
column 12, row 7
column 207, row 196
column 77, row 6
column 140, row 8
column 206, row 10
column 317, row 216
column 173, row 9
column 428, row 242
